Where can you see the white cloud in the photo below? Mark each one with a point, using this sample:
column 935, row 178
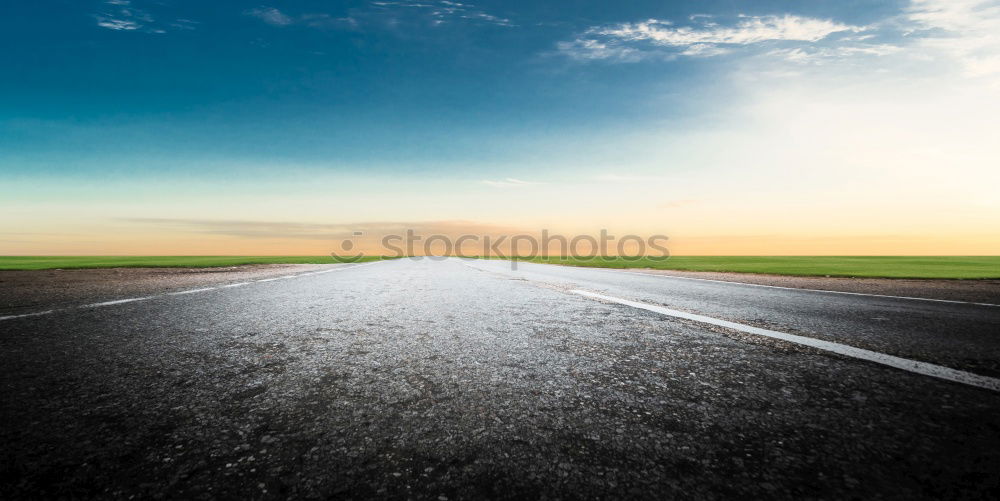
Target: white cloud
column 117, row 24
column 275, row 17
column 325, row 21
column 583, row 49
column 385, row 13
column 821, row 55
column 939, row 33
column 966, row 30
column 489, row 18
column 445, row 11
column 704, row 50
column 509, row 183
column 963, row 32
column 750, row 30
column 124, row 16
column 630, row 42
column 270, row 15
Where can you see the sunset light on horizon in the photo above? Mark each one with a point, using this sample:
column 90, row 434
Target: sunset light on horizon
column 764, row 128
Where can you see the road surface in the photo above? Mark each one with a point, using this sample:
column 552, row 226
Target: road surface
column 454, row 379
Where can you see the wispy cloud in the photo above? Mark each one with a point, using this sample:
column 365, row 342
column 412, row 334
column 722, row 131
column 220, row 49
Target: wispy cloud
column 508, row 183
column 249, row 229
column 184, row 24
column 595, row 50
column 631, row 42
column 122, row 15
column 820, row 55
column 316, row 231
column 446, row 11
column 326, row 21
column 270, row 15
column 275, row 17
column 117, row 24
column 966, row 30
column 382, row 13
column 748, row 30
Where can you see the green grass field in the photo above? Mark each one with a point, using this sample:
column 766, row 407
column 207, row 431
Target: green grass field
column 834, row 266
column 68, row 262
column 969, row 267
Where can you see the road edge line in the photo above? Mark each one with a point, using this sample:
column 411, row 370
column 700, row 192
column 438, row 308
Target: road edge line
column 190, row 291
column 639, row 271
column 914, row 366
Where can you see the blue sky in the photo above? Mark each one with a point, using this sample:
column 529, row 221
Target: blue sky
column 422, row 85
column 662, row 116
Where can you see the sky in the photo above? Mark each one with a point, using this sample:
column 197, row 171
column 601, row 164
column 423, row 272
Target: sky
column 843, row 127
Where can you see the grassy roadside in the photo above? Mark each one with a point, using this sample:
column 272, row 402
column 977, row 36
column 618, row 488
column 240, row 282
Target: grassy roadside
column 962, row 267
column 69, row 262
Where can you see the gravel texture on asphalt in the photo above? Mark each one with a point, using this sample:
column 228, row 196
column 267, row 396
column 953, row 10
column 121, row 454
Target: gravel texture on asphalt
column 961, row 336
column 436, row 380
column 26, row 291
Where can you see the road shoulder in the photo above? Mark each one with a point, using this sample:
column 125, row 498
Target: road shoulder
column 975, row 291
column 34, row 290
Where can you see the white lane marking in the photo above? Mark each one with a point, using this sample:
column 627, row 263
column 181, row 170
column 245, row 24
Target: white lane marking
column 191, row 291
column 645, row 273
column 905, row 364
column 23, row 315
column 117, row 301
column 355, row 266
column 811, row 290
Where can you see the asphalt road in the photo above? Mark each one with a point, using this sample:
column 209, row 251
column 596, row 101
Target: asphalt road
column 466, row 379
